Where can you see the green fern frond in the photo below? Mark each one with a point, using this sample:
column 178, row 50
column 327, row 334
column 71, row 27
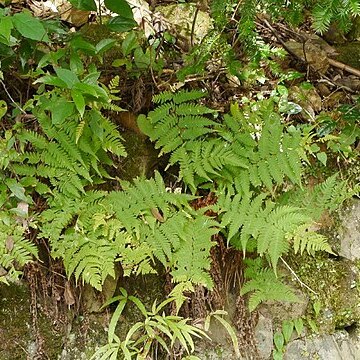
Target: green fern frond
column 15, row 249
column 265, row 286
column 303, row 239
column 192, row 258
column 328, row 195
column 179, row 97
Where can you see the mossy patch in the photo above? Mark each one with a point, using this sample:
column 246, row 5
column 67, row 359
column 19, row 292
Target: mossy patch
column 337, row 295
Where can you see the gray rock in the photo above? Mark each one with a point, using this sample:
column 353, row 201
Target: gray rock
column 338, row 346
column 264, row 336
column 349, row 232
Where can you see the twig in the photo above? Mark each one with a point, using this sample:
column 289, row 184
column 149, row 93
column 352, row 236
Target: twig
column 193, row 27
column 332, row 62
column 10, row 97
column 344, row 67
column 296, row 277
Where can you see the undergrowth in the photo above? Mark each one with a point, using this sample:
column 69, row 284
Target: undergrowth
column 59, row 153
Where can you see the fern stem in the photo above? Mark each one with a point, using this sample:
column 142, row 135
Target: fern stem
column 296, row 277
column 10, row 97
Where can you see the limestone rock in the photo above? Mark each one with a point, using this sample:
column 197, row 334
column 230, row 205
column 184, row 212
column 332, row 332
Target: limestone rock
column 338, row 346
column 264, row 336
column 349, row 232
column 308, row 98
column 310, row 54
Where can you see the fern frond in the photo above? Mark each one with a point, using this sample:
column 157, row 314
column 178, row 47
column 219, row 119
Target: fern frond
column 192, row 257
column 265, row 286
column 178, row 98
column 303, row 239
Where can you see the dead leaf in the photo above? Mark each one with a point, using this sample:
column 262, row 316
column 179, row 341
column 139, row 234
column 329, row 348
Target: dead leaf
column 23, row 208
column 9, row 243
column 3, row 271
column 68, row 295
column 157, row 215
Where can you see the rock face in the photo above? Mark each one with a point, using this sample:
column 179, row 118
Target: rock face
column 264, row 336
column 349, row 233
column 338, row 346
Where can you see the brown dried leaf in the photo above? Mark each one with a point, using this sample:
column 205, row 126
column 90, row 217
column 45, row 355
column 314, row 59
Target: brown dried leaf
column 68, row 295
column 9, row 243
column 157, row 215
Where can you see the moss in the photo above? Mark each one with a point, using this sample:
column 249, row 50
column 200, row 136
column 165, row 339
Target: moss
column 334, row 283
column 15, row 321
column 141, row 160
column 72, row 338
column 349, row 54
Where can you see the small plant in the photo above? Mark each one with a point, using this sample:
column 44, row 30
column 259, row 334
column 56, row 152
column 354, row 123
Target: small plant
column 157, row 328
column 218, row 315
column 281, row 338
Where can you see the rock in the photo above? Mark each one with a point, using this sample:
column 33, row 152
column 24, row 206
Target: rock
column 349, row 231
column 333, row 100
column 354, row 33
column 349, row 54
column 322, row 44
column 264, row 336
column 308, row 98
column 338, row 346
column 310, row 54
column 181, row 17
column 334, row 35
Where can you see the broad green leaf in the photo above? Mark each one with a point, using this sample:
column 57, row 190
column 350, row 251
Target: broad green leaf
column 17, row 190
column 91, row 78
column 121, row 24
column 69, row 78
column 61, row 110
column 79, row 101
column 30, row 27
column 277, row 355
column 79, row 43
column 115, row 319
column 104, row 45
column 299, row 325
column 5, row 30
column 142, row 60
column 51, row 80
column 121, row 62
column 130, row 43
column 76, row 65
column 120, row 7
column 231, row 333
column 3, row 108
column 317, row 307
column 88, row 5
column 322, row 157
column 279, row 340
column 287, row 329
column 87, row 89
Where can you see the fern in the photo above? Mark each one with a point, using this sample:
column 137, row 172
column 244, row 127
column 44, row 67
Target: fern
column 15, row 249
column 328, row 195
column 225, row 152
column 133, row 226
column 177, row 120
column 192, row 256
column 265, row 286
column 303, row 239
column 254, row 218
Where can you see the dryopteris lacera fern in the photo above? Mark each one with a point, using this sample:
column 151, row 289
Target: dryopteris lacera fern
column 70, row 151
column 226, row 153
column 15, row 248
column 264, row 285
column 258, row 219
column 245, row 158
column 132, row 226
